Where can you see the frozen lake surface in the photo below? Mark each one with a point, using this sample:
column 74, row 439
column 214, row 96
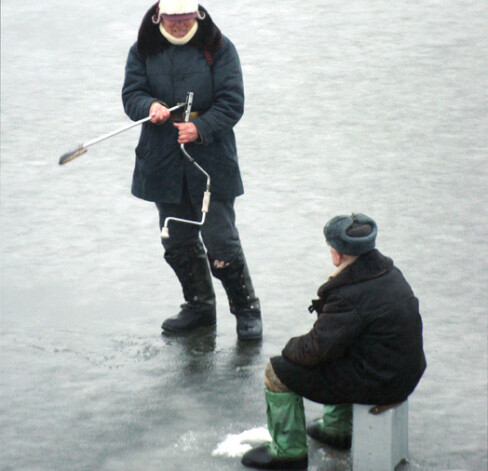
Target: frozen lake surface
column 373, row 107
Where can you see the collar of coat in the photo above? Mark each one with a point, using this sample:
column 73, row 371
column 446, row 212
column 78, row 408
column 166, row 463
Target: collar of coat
column 366, row 267
column 150, row 40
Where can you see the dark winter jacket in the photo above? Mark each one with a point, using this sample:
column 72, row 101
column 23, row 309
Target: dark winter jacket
column 156, row 70
column 366, row 345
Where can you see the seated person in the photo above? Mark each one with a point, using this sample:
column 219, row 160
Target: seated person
column 365, row 347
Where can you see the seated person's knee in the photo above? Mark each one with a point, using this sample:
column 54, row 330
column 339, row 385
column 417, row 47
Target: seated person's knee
column 272, row 382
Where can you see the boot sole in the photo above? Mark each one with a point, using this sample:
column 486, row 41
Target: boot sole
column 165, row 330
column 250, row 338
column 259, row 461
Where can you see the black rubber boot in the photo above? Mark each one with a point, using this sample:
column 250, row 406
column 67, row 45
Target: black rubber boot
column 243, row 302
column 261, row 458
column 191, row 268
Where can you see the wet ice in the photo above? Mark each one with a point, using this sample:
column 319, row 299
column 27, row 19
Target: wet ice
column 372, row 107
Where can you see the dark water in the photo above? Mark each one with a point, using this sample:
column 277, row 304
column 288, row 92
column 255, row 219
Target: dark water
column 363, row 106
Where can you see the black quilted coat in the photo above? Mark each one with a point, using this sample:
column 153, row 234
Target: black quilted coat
column 157, row 70
column 366, row 345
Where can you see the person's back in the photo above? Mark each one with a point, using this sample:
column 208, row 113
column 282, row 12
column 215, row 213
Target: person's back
column 387, row 354
column 365, row 347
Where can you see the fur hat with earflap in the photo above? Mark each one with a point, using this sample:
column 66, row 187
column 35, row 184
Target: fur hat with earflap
column 351, row 235
column 150, row 40
column 177, row 7
column 177, row 10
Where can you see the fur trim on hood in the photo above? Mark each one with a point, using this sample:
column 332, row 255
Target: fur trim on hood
column 370, row 265
column 150, row 41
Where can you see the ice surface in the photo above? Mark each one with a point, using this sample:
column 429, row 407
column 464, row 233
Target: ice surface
column 378, row 107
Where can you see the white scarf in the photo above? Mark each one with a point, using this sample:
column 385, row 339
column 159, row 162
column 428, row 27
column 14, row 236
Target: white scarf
column 179, row 41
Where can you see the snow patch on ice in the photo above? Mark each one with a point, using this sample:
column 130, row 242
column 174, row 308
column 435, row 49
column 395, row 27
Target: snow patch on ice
column 235, row 445
column 187, row 441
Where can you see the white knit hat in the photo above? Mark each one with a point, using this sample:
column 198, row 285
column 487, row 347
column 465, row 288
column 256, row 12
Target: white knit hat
column 178, row 9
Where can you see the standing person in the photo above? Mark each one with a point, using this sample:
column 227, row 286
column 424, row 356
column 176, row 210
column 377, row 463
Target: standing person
column 180, row 49
column 365, row 347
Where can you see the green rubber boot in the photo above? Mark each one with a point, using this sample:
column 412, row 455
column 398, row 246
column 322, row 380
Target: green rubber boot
column 335, row 426
column 286, row 424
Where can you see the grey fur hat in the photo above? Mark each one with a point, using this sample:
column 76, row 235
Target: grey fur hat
column 351, row 235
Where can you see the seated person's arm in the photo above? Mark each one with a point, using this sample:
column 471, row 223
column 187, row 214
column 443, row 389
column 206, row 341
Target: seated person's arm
column 337, row 326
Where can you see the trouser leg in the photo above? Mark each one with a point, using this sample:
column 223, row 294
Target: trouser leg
column 286, row 424
column 228, row 264
column 272, row 382
column 185, row 254
column 286, row 417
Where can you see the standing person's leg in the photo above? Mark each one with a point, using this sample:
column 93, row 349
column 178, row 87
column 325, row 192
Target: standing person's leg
column 286, row 424
column 185, row 254
column 228, row 264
